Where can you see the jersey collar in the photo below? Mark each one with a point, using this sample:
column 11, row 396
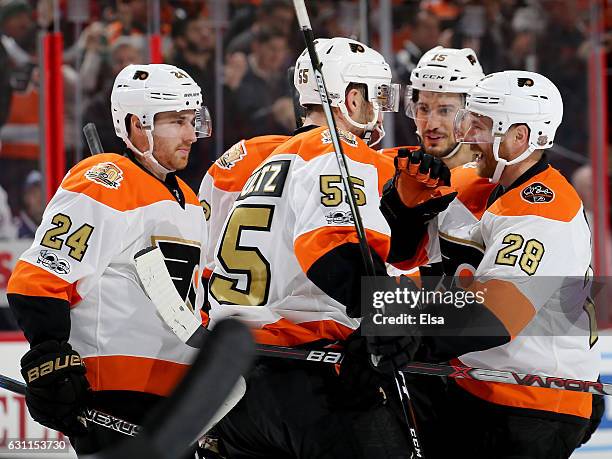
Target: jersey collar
column 534, row 170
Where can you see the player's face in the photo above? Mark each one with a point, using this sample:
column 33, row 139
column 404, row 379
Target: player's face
column 480, row 132
column 173, row 135
column 434, row 116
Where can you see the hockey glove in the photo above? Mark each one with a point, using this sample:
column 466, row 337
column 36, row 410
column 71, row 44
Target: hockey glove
column 389, row 353
column 56, row 386
column 422, row 181
column 360, row 386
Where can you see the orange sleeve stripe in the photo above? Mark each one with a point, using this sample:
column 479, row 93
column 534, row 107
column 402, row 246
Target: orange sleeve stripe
column 31, row 280
column 536, row 398
column 138, row 374
column 564, row 207
column 286, row 333
column 311, row 246
column 498, row 294
column 136, row 189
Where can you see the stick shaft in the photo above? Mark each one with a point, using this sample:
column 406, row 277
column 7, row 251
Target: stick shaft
column 97, row 417
column 449, row 371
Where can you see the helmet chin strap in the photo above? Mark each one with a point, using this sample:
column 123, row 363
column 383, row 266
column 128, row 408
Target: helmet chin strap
column 369, row 127
column 381, row 133
column 448, row 155
column 147, row 157
column 502, row 163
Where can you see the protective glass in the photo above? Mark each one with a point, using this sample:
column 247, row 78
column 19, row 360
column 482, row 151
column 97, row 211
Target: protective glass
column 441, row 105
column 470, row 127
column 173, row 124
column 388, row 97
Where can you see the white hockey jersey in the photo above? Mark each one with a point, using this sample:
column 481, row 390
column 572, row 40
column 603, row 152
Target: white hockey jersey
column 106, row 210
column 291, row 212
column 534, row 275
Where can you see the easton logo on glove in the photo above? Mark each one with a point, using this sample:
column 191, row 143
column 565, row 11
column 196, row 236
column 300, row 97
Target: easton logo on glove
column 59, row 363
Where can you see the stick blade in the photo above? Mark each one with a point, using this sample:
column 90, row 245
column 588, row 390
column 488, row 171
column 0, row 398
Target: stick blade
column 174, row 425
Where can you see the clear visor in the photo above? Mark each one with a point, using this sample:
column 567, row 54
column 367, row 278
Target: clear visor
column 388, row 97
column 443, row 106
column 185, row 123
column 470, row 127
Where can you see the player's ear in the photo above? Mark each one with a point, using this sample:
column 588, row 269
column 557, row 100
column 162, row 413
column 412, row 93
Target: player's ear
column 352, row 99
column 521, row 134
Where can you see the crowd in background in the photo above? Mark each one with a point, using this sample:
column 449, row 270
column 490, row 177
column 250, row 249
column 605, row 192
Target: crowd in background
column 260, row 41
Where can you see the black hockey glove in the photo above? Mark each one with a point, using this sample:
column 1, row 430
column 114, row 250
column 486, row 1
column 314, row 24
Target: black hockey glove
column 56, row 386
column 360, row 385
column 418, row 192
column 389, row 353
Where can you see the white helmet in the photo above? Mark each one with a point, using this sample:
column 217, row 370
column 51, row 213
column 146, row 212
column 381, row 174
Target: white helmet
column 145, row 90
column 508, row 98
column 445, row 70
column 345, row 61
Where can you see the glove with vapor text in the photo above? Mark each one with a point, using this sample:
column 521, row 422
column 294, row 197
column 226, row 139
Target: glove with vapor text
column 57, row 388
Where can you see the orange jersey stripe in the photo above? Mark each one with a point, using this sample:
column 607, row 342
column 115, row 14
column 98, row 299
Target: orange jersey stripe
column 138, row 374
column 536, row 398
column 563, row 207
column 133, row 188
column 308, row 145
column 498, row 294
column 31, row 280
column 311, row 246
column 285, row 333
column 231, row 171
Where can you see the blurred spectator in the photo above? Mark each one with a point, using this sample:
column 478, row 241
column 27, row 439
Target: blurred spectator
column 8, row 230
column 124, row 51
column 483, row 26
column 18, row 29
column 424, row 35
column 262, row 92
column 33, row 206
column 132, row 17
column 271, row 13
column 194, row 46
column 559, row 59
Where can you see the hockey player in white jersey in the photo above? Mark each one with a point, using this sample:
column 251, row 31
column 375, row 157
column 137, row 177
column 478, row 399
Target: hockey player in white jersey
column 533, row 276
column 288, row 264
column 75, row 292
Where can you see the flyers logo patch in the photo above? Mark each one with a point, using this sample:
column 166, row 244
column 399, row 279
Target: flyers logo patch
column 537, row 193
column 232, row 156
column 348, row 137
column 106, row 174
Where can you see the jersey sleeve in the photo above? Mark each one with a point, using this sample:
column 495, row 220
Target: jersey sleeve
column 78, row 236
column 325, row 239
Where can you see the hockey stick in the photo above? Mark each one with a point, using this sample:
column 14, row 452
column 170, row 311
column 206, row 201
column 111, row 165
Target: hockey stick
column 175, row 423
column 94, row 416
column 304, row 23
column 158, row 285
column 450, row 371
column 93, row 139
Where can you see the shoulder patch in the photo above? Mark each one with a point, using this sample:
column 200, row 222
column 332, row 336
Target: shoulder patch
column 107, row 174
column 234, row 154
column 537, row 192
column 348, row 137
